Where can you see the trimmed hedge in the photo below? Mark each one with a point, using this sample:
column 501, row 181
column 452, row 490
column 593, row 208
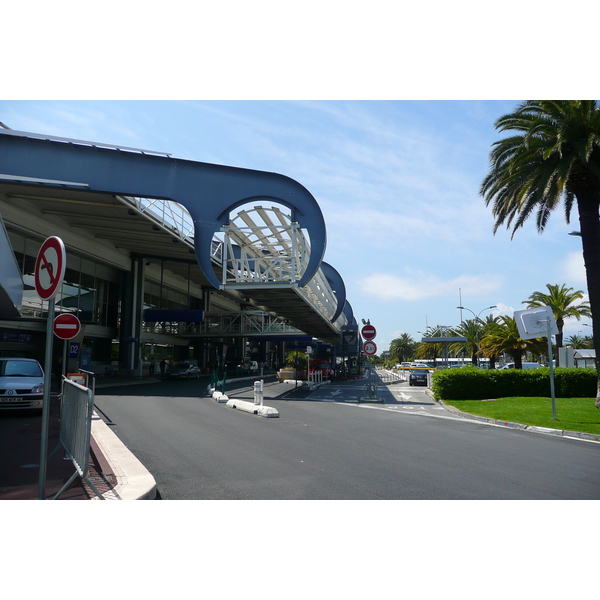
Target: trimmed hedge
column 469, row 383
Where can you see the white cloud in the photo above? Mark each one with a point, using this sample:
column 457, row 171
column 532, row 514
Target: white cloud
column 504, row 309
column 420, row 285
column 573, row 268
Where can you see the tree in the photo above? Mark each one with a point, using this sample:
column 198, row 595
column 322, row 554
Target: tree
column 403, row 348
column 562, row 300
column 574, row 341
column 431, row 350
column 581, row 343
column 554, row 156
column 503, row 336
column 470, row 329
column 488, row 325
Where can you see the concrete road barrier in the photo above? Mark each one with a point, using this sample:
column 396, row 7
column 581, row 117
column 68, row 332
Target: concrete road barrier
column 256, row 409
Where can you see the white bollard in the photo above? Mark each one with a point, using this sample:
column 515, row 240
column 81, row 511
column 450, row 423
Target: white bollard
column 258, row 392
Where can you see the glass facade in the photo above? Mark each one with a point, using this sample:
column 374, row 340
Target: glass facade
column 90, row 290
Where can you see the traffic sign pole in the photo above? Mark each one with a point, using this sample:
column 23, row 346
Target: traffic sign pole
column 49, row 273
column 46, row 405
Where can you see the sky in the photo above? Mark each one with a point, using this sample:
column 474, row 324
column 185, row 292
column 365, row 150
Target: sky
column 397, row 180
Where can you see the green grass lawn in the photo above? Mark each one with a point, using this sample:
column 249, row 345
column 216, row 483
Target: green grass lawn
column 572, row 414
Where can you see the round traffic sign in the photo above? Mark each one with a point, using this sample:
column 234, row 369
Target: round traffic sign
column 368, row 332
column 66, row 326
column 50, row 268
column 370, row 348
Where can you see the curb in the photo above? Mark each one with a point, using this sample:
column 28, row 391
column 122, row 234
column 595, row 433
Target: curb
column 533, row 428
column 134, row 481
column 250, row 407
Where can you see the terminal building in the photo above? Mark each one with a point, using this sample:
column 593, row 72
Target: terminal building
column 166, row 259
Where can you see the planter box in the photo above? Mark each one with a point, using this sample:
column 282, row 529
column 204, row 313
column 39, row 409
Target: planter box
column 284, row 374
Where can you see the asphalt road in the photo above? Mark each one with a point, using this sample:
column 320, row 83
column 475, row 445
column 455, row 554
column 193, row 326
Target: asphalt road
column 326, row 446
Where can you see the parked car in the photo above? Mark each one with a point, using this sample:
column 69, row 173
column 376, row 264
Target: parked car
column 525, row 365
column 247, row 367
column 21, row 383
column 183, row 370
column 418, row 377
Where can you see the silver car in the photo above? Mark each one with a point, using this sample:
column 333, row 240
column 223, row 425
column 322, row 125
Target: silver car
column 183, row 371
column 21, row 383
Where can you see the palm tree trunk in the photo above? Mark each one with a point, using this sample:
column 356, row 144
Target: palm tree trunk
column 587, row 203
column 560, row 323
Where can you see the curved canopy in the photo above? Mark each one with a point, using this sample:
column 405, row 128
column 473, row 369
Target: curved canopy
column 209, row 192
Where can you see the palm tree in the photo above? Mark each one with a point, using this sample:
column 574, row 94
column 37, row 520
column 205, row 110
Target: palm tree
column 503, row 336
column 587, row 343
column 488, row 325
column 430, row 350
column 562, row 300
column 574, row 341
column 470, row 329
column 403, row 347
column 554, row 155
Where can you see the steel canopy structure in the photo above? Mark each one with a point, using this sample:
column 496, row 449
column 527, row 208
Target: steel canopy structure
column 106, row 191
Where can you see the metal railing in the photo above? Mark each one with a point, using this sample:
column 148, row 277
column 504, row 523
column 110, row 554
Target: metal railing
column 242, row 323
column 315, row 376
column 76, row 412
column 263, row 247
column 386, row 376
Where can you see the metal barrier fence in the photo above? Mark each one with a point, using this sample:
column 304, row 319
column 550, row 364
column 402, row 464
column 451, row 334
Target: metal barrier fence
column 386, row 376
column 315, row 376
column 76, row 412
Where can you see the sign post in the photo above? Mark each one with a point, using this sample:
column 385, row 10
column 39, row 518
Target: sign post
column 48, row 276
column 530, row 323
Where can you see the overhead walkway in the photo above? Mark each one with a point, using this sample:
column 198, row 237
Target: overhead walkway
column 262, row 255
column 270, row 257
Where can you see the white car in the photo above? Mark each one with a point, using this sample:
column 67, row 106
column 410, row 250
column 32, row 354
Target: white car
column 525, row 366
column 183, row 370
column 21, row 383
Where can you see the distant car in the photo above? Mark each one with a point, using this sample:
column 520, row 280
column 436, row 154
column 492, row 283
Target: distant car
column 525, row 366
column 21, row 383
column 183, row 370
column 418, row 377
column 247, row 367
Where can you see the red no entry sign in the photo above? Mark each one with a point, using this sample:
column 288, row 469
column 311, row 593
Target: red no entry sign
column 66, row 326
column 50, row 268
column 370, row 348
column 368, row 332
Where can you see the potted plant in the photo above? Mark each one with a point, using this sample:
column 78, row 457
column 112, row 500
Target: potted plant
column 296, row 363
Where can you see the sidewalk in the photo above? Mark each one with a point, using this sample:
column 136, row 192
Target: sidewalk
column 113, row 469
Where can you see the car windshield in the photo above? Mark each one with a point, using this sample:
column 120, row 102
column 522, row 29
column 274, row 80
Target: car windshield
column 19, row 368
column 419, row 372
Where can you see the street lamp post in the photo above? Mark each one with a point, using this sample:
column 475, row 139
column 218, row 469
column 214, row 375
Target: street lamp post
column 476, row 320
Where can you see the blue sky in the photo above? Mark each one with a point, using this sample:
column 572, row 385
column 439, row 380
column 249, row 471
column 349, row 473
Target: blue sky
column 398, row 183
